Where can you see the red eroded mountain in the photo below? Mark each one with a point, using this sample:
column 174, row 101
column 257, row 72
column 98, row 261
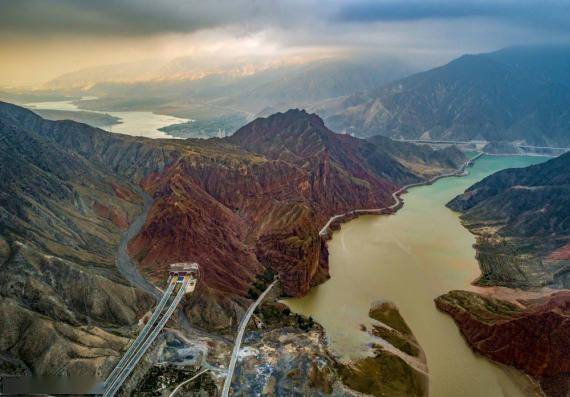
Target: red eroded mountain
column 235, row 216
column 534, row 338
column 257, row 200
column 340, row 174
column 238, row 210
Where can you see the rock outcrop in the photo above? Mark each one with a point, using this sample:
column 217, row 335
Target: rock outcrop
column 533, row 336
column 397, row 366
column 520, row 217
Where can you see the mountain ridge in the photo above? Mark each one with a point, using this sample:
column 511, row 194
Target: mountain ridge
column 61, row 217
column 521, row 215
column 474, row 97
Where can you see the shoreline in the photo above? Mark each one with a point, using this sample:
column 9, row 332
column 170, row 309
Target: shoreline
column 334, row 221
column 523, row 382
column 74, row 105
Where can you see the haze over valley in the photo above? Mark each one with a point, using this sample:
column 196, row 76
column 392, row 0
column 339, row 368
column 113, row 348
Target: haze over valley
column 289, row 198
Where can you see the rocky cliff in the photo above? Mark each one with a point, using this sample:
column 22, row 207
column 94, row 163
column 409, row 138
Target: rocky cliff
column 520, row 218
column 258, row 199
column 532, row 335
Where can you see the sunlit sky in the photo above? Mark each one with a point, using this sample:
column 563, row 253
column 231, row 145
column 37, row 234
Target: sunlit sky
column 42, row 39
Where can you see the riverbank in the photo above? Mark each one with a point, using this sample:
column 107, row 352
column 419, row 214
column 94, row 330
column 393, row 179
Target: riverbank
column 334, row 222
column 518, row 220
column 136, row 123
column 411, row 259
column 95, row 119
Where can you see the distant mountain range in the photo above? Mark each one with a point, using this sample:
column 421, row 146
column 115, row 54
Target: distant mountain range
column 282, row 85
column 310, row 80
column 517, row 94
column 224, row 97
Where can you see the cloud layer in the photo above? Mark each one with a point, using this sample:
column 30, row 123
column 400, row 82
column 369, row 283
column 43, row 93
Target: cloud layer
column 547, row 14
column 144, row 17
column 147, row 17
column 433, row 30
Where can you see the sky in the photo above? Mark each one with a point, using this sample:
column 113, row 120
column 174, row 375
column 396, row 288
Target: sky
column 42, row 39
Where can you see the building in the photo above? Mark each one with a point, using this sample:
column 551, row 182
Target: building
column 185, row 269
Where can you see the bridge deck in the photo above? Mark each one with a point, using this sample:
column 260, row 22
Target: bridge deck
column 147, row 336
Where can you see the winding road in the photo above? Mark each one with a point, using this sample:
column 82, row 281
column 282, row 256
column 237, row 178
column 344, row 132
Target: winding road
column 124, row 263
column 475, row 142
column 241, row 330
column 396, row 195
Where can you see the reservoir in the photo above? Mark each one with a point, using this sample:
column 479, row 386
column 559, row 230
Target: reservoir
column 411, row 258
column 136, row 123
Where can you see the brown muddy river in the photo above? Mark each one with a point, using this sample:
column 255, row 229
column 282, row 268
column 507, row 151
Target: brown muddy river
column 411, row 258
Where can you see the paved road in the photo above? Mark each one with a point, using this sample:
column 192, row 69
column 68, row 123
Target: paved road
column 543, row 147
column 129, row 367
column 237, row 345
column 143, row 334
column 124, row 263
column 188, row 380
column 396, row 195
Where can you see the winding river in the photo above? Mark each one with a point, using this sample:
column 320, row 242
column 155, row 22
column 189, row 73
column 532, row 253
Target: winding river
column 411, row 258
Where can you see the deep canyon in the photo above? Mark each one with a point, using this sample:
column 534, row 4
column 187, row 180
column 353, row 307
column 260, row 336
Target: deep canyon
column 246, row 208
column 241, row 206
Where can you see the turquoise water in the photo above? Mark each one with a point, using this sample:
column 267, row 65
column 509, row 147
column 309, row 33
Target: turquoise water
column 411, row 258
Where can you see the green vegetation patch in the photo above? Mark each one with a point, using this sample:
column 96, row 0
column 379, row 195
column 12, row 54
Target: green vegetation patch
column 387, row 313
column 384, row 375
column 397, row 340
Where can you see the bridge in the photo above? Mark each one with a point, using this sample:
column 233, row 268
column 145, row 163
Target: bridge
column 482, row 143
column 443, row 141
column 183, row 278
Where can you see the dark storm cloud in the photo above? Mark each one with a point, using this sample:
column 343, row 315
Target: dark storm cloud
column 147, row 17
column 125, row 17
column 367, row 11
column 547, row 14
